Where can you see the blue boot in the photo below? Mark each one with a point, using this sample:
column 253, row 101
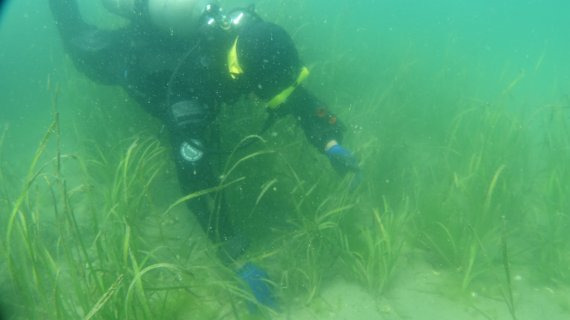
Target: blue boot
column 257, row 280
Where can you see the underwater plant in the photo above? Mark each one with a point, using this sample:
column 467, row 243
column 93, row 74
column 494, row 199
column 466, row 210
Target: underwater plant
column 83, row 239
column 373, row 255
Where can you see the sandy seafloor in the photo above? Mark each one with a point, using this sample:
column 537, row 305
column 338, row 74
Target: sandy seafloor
column 415, row 295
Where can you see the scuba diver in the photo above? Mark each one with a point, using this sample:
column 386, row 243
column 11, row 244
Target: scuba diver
column 181, row 61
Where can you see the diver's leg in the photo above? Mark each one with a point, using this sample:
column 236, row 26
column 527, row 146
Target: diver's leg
column 188, row 122
column 100, row 54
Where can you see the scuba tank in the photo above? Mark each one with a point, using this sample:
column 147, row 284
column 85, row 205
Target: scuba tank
column 176, row 17
column 123, row 8
column 183, row 17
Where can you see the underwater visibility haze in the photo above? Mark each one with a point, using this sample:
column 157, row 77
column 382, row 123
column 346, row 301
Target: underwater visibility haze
column 457, row 112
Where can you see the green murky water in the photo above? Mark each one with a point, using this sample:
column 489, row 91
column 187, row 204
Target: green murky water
column 458, row 112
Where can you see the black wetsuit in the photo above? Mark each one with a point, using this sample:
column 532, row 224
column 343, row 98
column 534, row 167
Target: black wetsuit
column 182, row 82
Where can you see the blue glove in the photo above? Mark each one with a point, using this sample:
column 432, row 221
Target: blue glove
column 257, row 280
column 343, row 161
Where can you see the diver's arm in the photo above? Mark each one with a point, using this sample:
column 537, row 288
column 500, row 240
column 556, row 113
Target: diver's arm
column 323, row 130
column 321, row 127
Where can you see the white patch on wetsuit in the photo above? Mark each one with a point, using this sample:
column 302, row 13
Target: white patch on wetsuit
column 190, row 152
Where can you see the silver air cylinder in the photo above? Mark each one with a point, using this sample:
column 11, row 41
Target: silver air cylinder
column 123, row 8
column 177, row 17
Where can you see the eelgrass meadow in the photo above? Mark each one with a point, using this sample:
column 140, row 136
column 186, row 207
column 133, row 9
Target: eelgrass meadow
column 460, row 120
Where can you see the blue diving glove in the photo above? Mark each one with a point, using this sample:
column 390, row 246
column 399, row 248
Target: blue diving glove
column 341, row 159
column 343, row 162
column 257, row 280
